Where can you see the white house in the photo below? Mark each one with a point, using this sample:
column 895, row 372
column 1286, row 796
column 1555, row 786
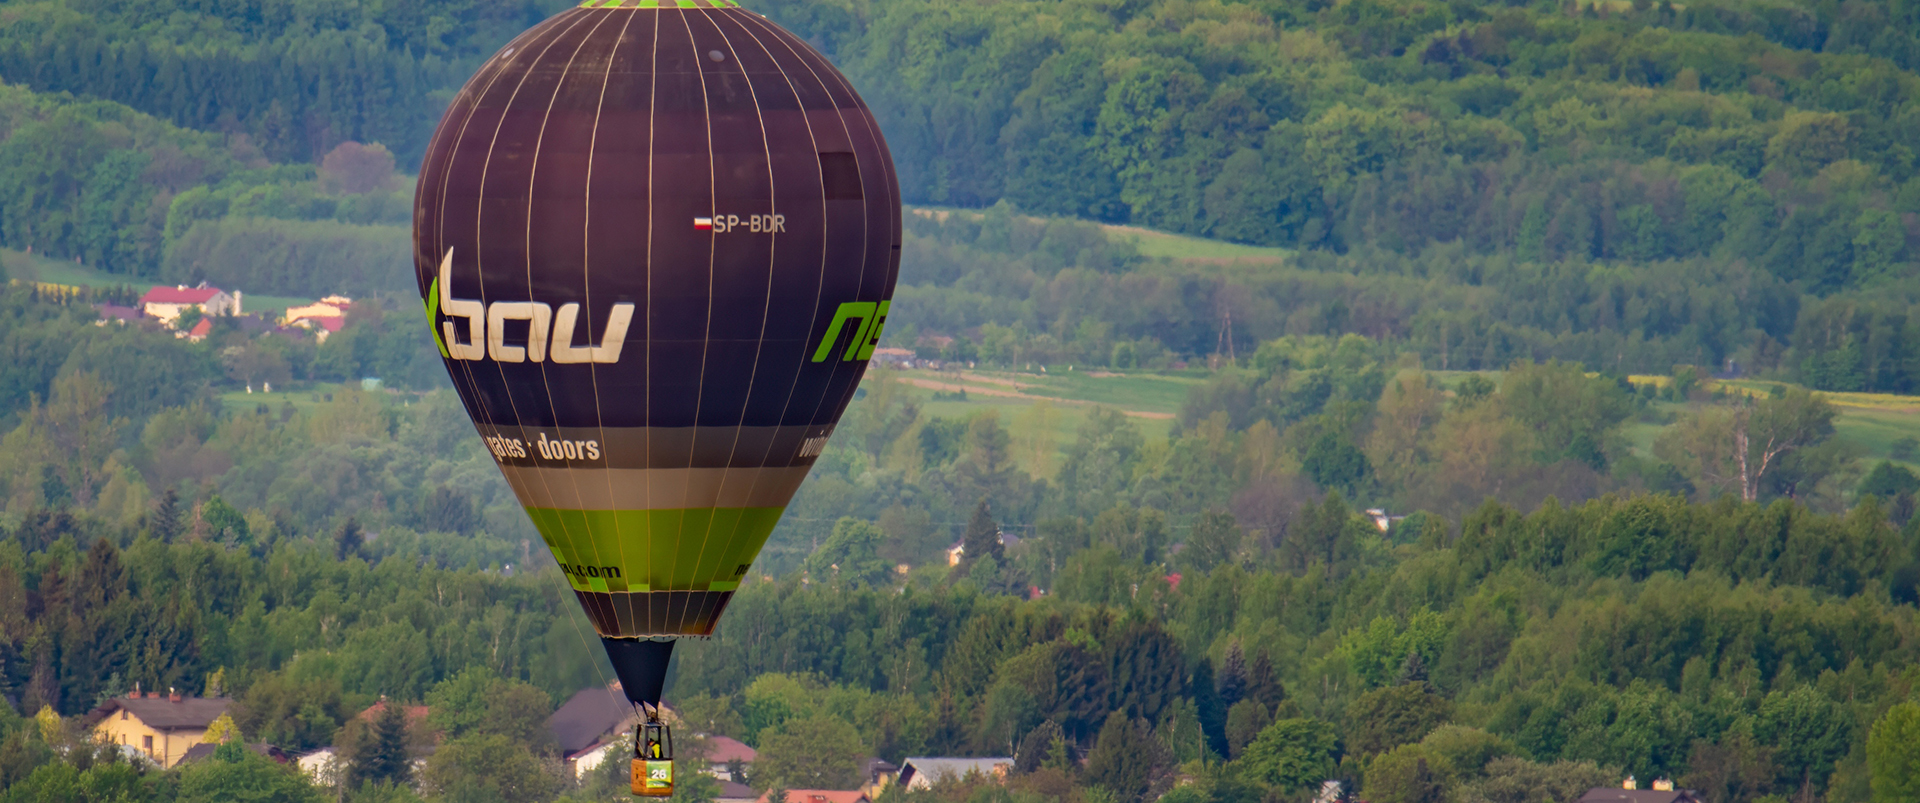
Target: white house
column 322, row 765
column 166, row 303
column 920, row 773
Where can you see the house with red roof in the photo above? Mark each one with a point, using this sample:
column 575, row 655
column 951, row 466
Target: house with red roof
column 323, row 317
column 166, row 303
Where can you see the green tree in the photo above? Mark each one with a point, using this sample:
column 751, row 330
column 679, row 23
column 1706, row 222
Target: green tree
column 1742, row 450
column 1889, row 480
column 981, row 538
column 1245, row 721
column 1574, row 417
column 291, row 714
column 1517, row 780
column 1335, row 463
column 1215, row 540
column 1383, row 719
column 236, row 773
column 1893, row 754
column 1807, row 732
column 1408, row 774
column 850, row 556
column 1146, row 670
column 816, row 752
column 381, row 755
column 489, row 767
column 1129, row 760
column 1291, row 754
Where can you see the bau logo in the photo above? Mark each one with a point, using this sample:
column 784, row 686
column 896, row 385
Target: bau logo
column 549, row 333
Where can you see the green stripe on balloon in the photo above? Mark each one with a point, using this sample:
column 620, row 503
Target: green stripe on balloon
column 686, row 549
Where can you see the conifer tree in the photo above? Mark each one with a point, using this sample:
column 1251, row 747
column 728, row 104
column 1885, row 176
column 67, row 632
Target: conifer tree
column 1233, row 675
column 1263, row 686
column 383, row 757
column 1036, row 746
column 1210, row 705
column 165, row 522
column 982, row 536
column 347, row 539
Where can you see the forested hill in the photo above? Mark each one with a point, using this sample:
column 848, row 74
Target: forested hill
column 1782, row 134
column 296, row 76
column 1629, row 185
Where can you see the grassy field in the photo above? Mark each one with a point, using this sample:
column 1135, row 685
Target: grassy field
column 1157, row 244
column 1177, row 246
column 1047, row 410
column 33, row 268
column 1872, row 421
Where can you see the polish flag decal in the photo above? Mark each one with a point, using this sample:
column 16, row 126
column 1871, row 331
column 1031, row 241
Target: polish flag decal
column 703, row 223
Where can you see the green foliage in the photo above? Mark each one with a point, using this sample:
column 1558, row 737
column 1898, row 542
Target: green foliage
column 489, row 767
column 1889, row 480
column 294, row 257
column 1128, row 760
column 851, row 555
column 381, row 755
column 1465, row 751
column 477, row 701
column 1808, row 732
column 1893, row 753
column 1291, row 754
column 1517, row 780
column 292, row 709
column 816, row 752
column 1383, row 719
column 1407, row 774
column 235, row 773
column 1245, row 721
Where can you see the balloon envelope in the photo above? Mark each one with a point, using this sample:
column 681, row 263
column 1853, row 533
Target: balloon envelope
column 656, row 243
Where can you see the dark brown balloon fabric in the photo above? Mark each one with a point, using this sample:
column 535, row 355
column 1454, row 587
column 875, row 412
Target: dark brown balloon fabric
column 656, row 246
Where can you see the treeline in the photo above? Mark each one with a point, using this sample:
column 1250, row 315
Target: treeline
column 1543, row 131
column 1754, row 657
column 296, row 79
column 1066, row 293
column 1741, row 649
column 1209, row 606
column 120, row 191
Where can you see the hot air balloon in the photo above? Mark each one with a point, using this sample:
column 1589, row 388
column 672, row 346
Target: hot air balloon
column 656, row 241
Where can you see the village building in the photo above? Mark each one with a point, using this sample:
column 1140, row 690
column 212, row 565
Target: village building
column 722, row 751
column 324, row 317
column 1629, row 791
column 321, row 764
column 204, row 751
column 163, row 728
column 329, row 307
column 958, row 552
column 896, row 358
column 880, row 774
column 921, row 773
column 116, row 313
column 731, row 792
column 588, row 727
column 166, row 303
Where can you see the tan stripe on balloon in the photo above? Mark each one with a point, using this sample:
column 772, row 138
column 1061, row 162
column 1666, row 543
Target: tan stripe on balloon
column 653, row 488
